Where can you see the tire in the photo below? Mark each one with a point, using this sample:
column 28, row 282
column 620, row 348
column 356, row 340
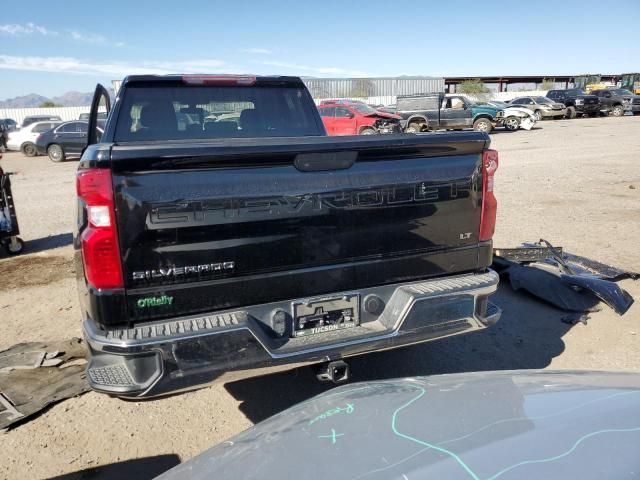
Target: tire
column 571, row 113
column 512, row 124
column 482, row 125
column 56, row 153
column 29, row 149
column 636, row 113
column 414, row 127
column 16, row 249
column 617, row 111
column 537, row 115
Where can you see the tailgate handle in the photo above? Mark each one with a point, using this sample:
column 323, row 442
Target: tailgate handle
column 317, row 162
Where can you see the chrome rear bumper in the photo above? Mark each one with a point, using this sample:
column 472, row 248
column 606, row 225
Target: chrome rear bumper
column 162, row 357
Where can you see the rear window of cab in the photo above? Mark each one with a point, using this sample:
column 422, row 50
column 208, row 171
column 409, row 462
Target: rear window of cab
column 209, row 112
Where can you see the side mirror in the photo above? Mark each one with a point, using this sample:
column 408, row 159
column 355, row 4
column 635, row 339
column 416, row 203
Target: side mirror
column 351, row 115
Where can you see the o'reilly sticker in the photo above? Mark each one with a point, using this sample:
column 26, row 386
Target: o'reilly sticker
column 149, row 302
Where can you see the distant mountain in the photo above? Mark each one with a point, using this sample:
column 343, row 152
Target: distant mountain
column 74, row 99
column 33, row 100
column 25, row 101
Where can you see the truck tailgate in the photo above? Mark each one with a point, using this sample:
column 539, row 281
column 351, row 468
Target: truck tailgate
column 226, row 224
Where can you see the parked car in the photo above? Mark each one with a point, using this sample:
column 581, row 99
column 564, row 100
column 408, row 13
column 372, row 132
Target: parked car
column 617, row 101
column 388, row 108
column 9, row 124
column 577, row 102
column 24, row 140
column 102, row 118
column 541, row 107
column 436, row 111
column 201, row 261
column 6, row 125
column 39, row 118
column 344, row 117
column 68, row 139
column 515, row 117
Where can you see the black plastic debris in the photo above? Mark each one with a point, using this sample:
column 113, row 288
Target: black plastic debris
column 601, row 270
column 34, row 375
column 569, row 282
column 532, row 253
column 551, row 288
column 574, row 318
column 610, row 293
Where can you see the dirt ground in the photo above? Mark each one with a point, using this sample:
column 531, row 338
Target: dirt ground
column 575, row 183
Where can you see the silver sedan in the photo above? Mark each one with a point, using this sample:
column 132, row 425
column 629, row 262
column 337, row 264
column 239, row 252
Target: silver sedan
column 542, row 107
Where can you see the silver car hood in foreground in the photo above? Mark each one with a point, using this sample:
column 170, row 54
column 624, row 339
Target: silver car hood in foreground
column 479, row 426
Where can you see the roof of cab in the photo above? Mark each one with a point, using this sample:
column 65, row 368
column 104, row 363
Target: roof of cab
column 209, row 79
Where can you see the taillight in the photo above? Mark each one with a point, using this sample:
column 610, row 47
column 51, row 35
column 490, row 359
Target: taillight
column 99, row 239
column 489, row 202
column 225, row 80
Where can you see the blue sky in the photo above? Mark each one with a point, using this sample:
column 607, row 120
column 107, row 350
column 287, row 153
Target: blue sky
column 50, row 47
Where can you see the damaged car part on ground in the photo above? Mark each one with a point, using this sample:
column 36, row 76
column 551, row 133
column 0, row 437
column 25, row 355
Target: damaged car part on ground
column 35, row 375
column 569, row 282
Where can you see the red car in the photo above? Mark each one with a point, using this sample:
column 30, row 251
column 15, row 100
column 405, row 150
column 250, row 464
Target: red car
column 344, row 117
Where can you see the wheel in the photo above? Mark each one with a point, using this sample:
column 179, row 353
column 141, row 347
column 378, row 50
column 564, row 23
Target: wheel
column 29, row 149
column 414, row 127
column 14, row 246
column 482, row 125
column 367, row 131
column 537, row 115
column 55, row 152
column 617, row 111
column 512, row 123
column 636, row 113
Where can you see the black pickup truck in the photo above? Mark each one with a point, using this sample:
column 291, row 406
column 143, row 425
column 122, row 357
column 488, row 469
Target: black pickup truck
column 618, row 101
column 222, row 234
column 577, row 102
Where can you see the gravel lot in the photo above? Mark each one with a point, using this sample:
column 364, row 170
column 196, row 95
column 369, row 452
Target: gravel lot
column 575, row 183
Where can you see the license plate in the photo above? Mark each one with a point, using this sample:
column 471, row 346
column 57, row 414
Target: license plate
column 326, row 315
